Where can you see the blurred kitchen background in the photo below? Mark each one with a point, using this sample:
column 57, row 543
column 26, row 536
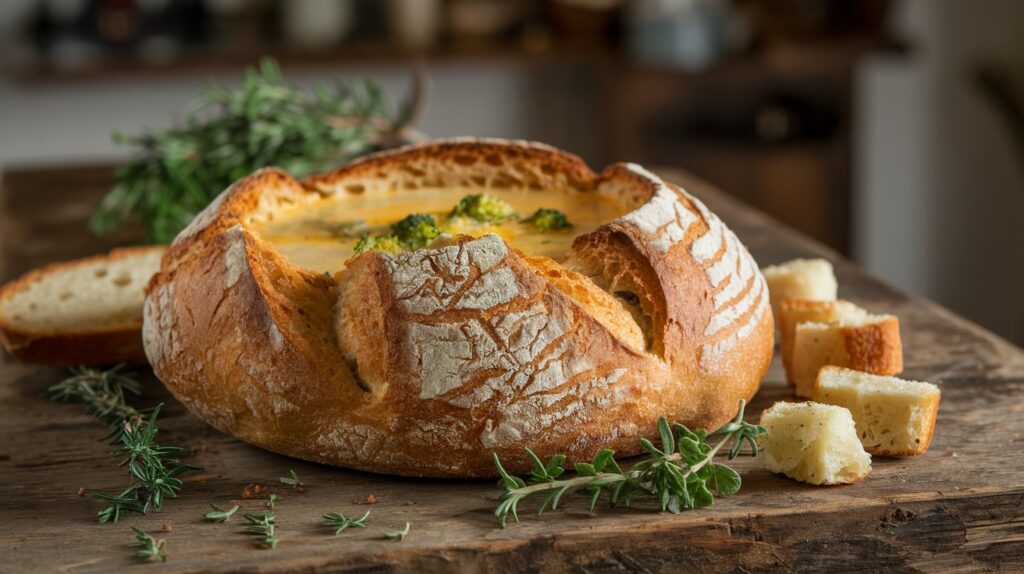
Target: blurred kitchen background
column 892, row 131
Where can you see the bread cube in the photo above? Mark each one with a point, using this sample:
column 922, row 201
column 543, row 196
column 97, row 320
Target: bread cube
column 870, row 343
column 795, row 311
column 807, row 279
column 813, row 443
column 894, row 417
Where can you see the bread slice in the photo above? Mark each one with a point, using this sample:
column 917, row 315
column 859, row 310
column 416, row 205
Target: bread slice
column 894, row 417
column 795, row 311
column 87, row 311
column 813, row 443
column 870, row 344
column 806, row 279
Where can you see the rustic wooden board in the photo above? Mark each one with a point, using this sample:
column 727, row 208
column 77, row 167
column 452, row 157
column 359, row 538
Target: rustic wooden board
column 958, row 508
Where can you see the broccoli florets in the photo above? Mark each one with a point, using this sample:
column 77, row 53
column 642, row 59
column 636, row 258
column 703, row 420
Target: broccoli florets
column 545, row 219
column 385, row 243
column 416, row 231
column 484, row 208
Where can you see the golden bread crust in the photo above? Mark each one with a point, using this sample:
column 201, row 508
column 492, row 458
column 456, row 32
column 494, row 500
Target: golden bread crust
column 875, row 348
column 427, row 362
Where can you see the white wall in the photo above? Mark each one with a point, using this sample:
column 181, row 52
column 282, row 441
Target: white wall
column 940, row 183
column 71, row 121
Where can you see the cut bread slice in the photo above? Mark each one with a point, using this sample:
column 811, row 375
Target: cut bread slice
column 87, row 311
column 894, row 417
column 813, row 443
column 795, row 311
column 870, row 343
column 806, row 279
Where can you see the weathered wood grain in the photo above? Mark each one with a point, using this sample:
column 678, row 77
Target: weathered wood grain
column 959, row 508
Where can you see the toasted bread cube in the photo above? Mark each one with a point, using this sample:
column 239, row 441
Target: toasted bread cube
column 813, row 443
column 870, row 344
column 793, row 312
column 806, row 279
column 894, row 417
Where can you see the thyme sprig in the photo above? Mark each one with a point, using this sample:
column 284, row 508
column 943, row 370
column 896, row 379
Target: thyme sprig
column 263, row 526
column 154, row 468
column 232, row 132
column 680, row 475
column 339, row 522
column 105, row 394
column 149, row 548
column 219, row 514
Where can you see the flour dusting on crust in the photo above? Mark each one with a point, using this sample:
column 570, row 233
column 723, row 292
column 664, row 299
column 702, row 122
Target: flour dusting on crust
column 429, row 280
column 739, row 292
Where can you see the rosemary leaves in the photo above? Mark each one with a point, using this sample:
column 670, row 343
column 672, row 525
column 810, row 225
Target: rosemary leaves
column 219, row 514
column 154, row 469
column 104, row 393
column 262, row 526
column 339, row 522
column 680, row 475
column 149, row 548
column 398, row 535
column 233, row 132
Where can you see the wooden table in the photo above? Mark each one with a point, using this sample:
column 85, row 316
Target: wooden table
column 958, row 508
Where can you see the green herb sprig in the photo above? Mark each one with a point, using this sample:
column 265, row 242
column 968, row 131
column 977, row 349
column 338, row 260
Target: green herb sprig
column 339, row 522
column 398, row 535
column 680, row 475
column 219, row 514
column 104, row 393
column 232, row 132
column 154, row 468
column 149, row 548
column 263, row 526
column 291, row 480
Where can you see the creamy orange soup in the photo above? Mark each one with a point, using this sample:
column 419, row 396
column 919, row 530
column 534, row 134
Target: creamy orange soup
column 321, row 236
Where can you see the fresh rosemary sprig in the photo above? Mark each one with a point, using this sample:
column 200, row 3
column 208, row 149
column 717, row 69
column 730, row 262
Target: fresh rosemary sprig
column 218, row 514
column 263, row 526
column 233, row 132
column 292, row 480
column 271, row 501
column 103, row 392
column 680, row 475
column 398, row 535
column 339, row 522
column 149, row 548
column 154, row 468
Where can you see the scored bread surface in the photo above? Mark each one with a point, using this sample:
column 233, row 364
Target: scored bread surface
column 427, row 362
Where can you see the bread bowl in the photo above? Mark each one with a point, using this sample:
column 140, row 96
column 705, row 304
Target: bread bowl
column 426, row 362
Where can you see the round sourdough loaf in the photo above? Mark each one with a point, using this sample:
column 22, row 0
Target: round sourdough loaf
column 425, row 363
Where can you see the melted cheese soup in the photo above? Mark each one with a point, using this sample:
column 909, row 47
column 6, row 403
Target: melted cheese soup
column 321, row 236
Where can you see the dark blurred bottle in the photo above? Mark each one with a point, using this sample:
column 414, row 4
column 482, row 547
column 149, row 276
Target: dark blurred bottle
column 62, row 34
